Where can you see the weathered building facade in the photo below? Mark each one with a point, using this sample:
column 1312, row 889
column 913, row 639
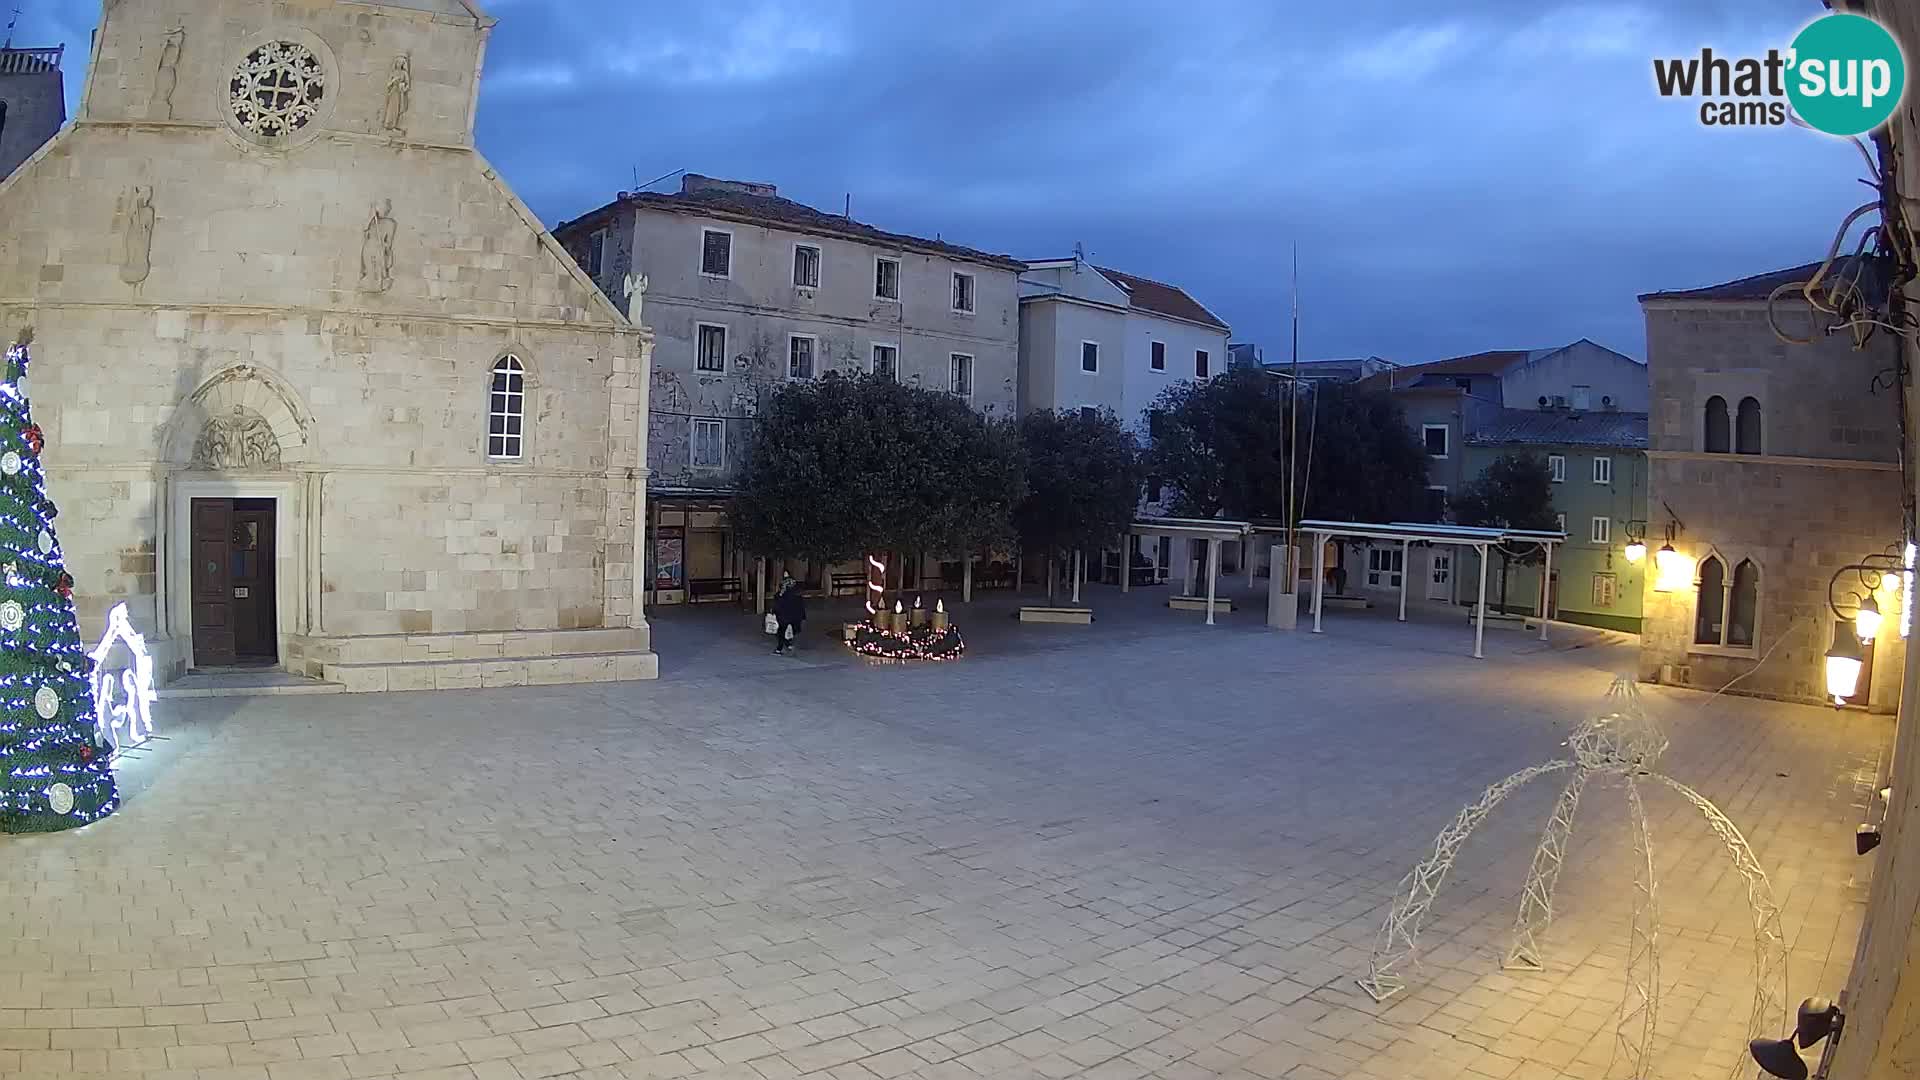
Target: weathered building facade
column 747, row 291
column 33, row 102
column 1772, row 466
column 318, row 390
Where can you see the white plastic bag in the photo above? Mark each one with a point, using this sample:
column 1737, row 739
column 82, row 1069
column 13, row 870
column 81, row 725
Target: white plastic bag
column 773, row 623
column 789, row 633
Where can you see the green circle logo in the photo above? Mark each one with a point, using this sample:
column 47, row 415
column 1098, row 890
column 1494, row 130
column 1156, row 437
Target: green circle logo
column 1847, row 74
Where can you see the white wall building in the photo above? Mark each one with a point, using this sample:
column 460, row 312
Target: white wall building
column 1093, row 337
column 1096, row 338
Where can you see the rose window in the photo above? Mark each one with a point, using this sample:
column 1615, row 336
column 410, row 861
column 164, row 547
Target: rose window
column 277, row 89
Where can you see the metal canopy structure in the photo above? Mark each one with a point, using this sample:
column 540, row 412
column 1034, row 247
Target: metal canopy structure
column 1211, row 530
column 1410, row 533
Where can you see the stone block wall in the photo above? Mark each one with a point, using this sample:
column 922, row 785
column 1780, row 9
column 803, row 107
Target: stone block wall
column 1814, row 398
column 1799, row 524
column 351, row 289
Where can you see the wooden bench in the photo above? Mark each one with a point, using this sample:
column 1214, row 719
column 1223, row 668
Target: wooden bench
column 1078, row 616
column 705, row 588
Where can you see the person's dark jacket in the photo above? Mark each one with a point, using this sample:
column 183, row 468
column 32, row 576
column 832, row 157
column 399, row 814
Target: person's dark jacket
column 790, row 606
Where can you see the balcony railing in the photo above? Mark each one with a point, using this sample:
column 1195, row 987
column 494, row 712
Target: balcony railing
column 23, row 61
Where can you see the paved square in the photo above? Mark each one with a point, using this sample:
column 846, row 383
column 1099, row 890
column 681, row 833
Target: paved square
column 1141, row 849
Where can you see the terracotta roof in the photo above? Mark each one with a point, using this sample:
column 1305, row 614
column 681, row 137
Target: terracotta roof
column 1558, row 427
column 1162, row 298
column 1873, row 281
column 799, row 217
column 1408, row 376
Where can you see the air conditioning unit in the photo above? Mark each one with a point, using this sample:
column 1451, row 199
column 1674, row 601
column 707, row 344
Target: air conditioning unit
column 1559, row 402
column 1543, row 401
column 1606, row 401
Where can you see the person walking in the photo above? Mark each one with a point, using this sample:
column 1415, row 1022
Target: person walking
column 790, row 610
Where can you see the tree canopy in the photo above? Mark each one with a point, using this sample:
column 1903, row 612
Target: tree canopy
column 844, row 465
column 1222, row 446
column 1515, row 492
column 1083, row 480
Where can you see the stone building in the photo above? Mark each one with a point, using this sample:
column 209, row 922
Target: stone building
column 318, row 390
column 33, row 102
column 1771, row 466
column 747, row 290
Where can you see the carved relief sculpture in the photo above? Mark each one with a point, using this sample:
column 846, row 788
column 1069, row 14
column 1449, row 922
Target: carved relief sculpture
column 168, row 76
column 399, row 89
column 241, row 440
column 376, row 250
column 635, row 289
column 137, row 261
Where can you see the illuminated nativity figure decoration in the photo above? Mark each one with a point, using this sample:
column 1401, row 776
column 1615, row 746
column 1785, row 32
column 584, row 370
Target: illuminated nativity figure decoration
column 1619, row 743
column 122, row 698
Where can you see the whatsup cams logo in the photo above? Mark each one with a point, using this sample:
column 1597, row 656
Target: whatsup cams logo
column 1843, row 74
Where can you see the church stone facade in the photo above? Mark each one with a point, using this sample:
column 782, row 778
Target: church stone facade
column 318, row 390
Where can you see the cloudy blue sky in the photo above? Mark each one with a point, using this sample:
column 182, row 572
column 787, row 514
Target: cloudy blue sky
column 1459, row 175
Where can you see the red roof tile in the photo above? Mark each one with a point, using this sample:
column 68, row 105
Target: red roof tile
column 1162, row 298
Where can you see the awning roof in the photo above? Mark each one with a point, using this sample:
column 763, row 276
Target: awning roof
column 1172, row 526
column 1430, row 532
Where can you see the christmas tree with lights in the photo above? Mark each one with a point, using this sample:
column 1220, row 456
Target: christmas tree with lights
column 53, row 770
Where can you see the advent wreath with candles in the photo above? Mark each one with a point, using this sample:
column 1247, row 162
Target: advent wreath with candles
column 901, row 634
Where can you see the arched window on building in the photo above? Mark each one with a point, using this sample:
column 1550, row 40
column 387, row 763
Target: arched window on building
column 1746, row 427
column 1710, row 604
column 507, row 409
column 1719, row 433
column 1743, row 604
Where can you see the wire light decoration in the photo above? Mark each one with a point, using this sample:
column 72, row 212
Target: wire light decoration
column 1620, row 742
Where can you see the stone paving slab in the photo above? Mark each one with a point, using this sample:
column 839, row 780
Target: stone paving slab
column 1151, row 850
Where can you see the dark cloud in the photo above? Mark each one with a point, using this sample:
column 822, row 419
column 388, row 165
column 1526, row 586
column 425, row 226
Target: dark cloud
column 1458, row 176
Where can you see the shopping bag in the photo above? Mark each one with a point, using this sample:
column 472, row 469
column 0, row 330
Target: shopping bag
column 789, row 633
column 773, row 623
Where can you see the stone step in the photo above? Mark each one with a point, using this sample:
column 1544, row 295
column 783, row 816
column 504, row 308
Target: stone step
column 206, row 684
column 508, row 671
column 478, row 645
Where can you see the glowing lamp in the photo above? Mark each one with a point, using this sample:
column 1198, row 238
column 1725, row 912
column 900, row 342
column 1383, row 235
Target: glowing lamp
column 1636, row 551
column 1673, row 570
column 1866, row 621
column 1843, row 666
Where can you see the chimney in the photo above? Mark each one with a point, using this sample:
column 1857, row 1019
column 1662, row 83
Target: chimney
column 693, row 182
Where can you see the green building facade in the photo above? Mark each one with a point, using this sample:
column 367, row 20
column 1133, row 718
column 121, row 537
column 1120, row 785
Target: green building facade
column 1599, row 463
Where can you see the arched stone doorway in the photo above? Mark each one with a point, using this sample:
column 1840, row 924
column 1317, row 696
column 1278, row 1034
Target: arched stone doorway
column 237, row 579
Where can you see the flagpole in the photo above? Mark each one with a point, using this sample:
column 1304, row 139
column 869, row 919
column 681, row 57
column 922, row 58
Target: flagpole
column 1293, row 431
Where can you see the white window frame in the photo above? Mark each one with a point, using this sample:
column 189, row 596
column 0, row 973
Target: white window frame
column 701, row 257
column 968, row 357
column 1557, row 468
column 1083, row 357
column 1600, row 531
column 897, row 275
column 1446, row 439
column 698, row 358
column 514, row 408
column 693, row 444
column 973, row 295
column 1561, row 523
column 819, row 264
column 1603, row 470
column 1391, row 570
column 1198, row 354
column 1161, row 363
column 1581, row 398
column 813, row 356
column 1442, row 489
column 1612, row 590
column 873, row 350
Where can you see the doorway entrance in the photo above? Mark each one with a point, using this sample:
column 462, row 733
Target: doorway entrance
column 1440, row 583
column 234, row 621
